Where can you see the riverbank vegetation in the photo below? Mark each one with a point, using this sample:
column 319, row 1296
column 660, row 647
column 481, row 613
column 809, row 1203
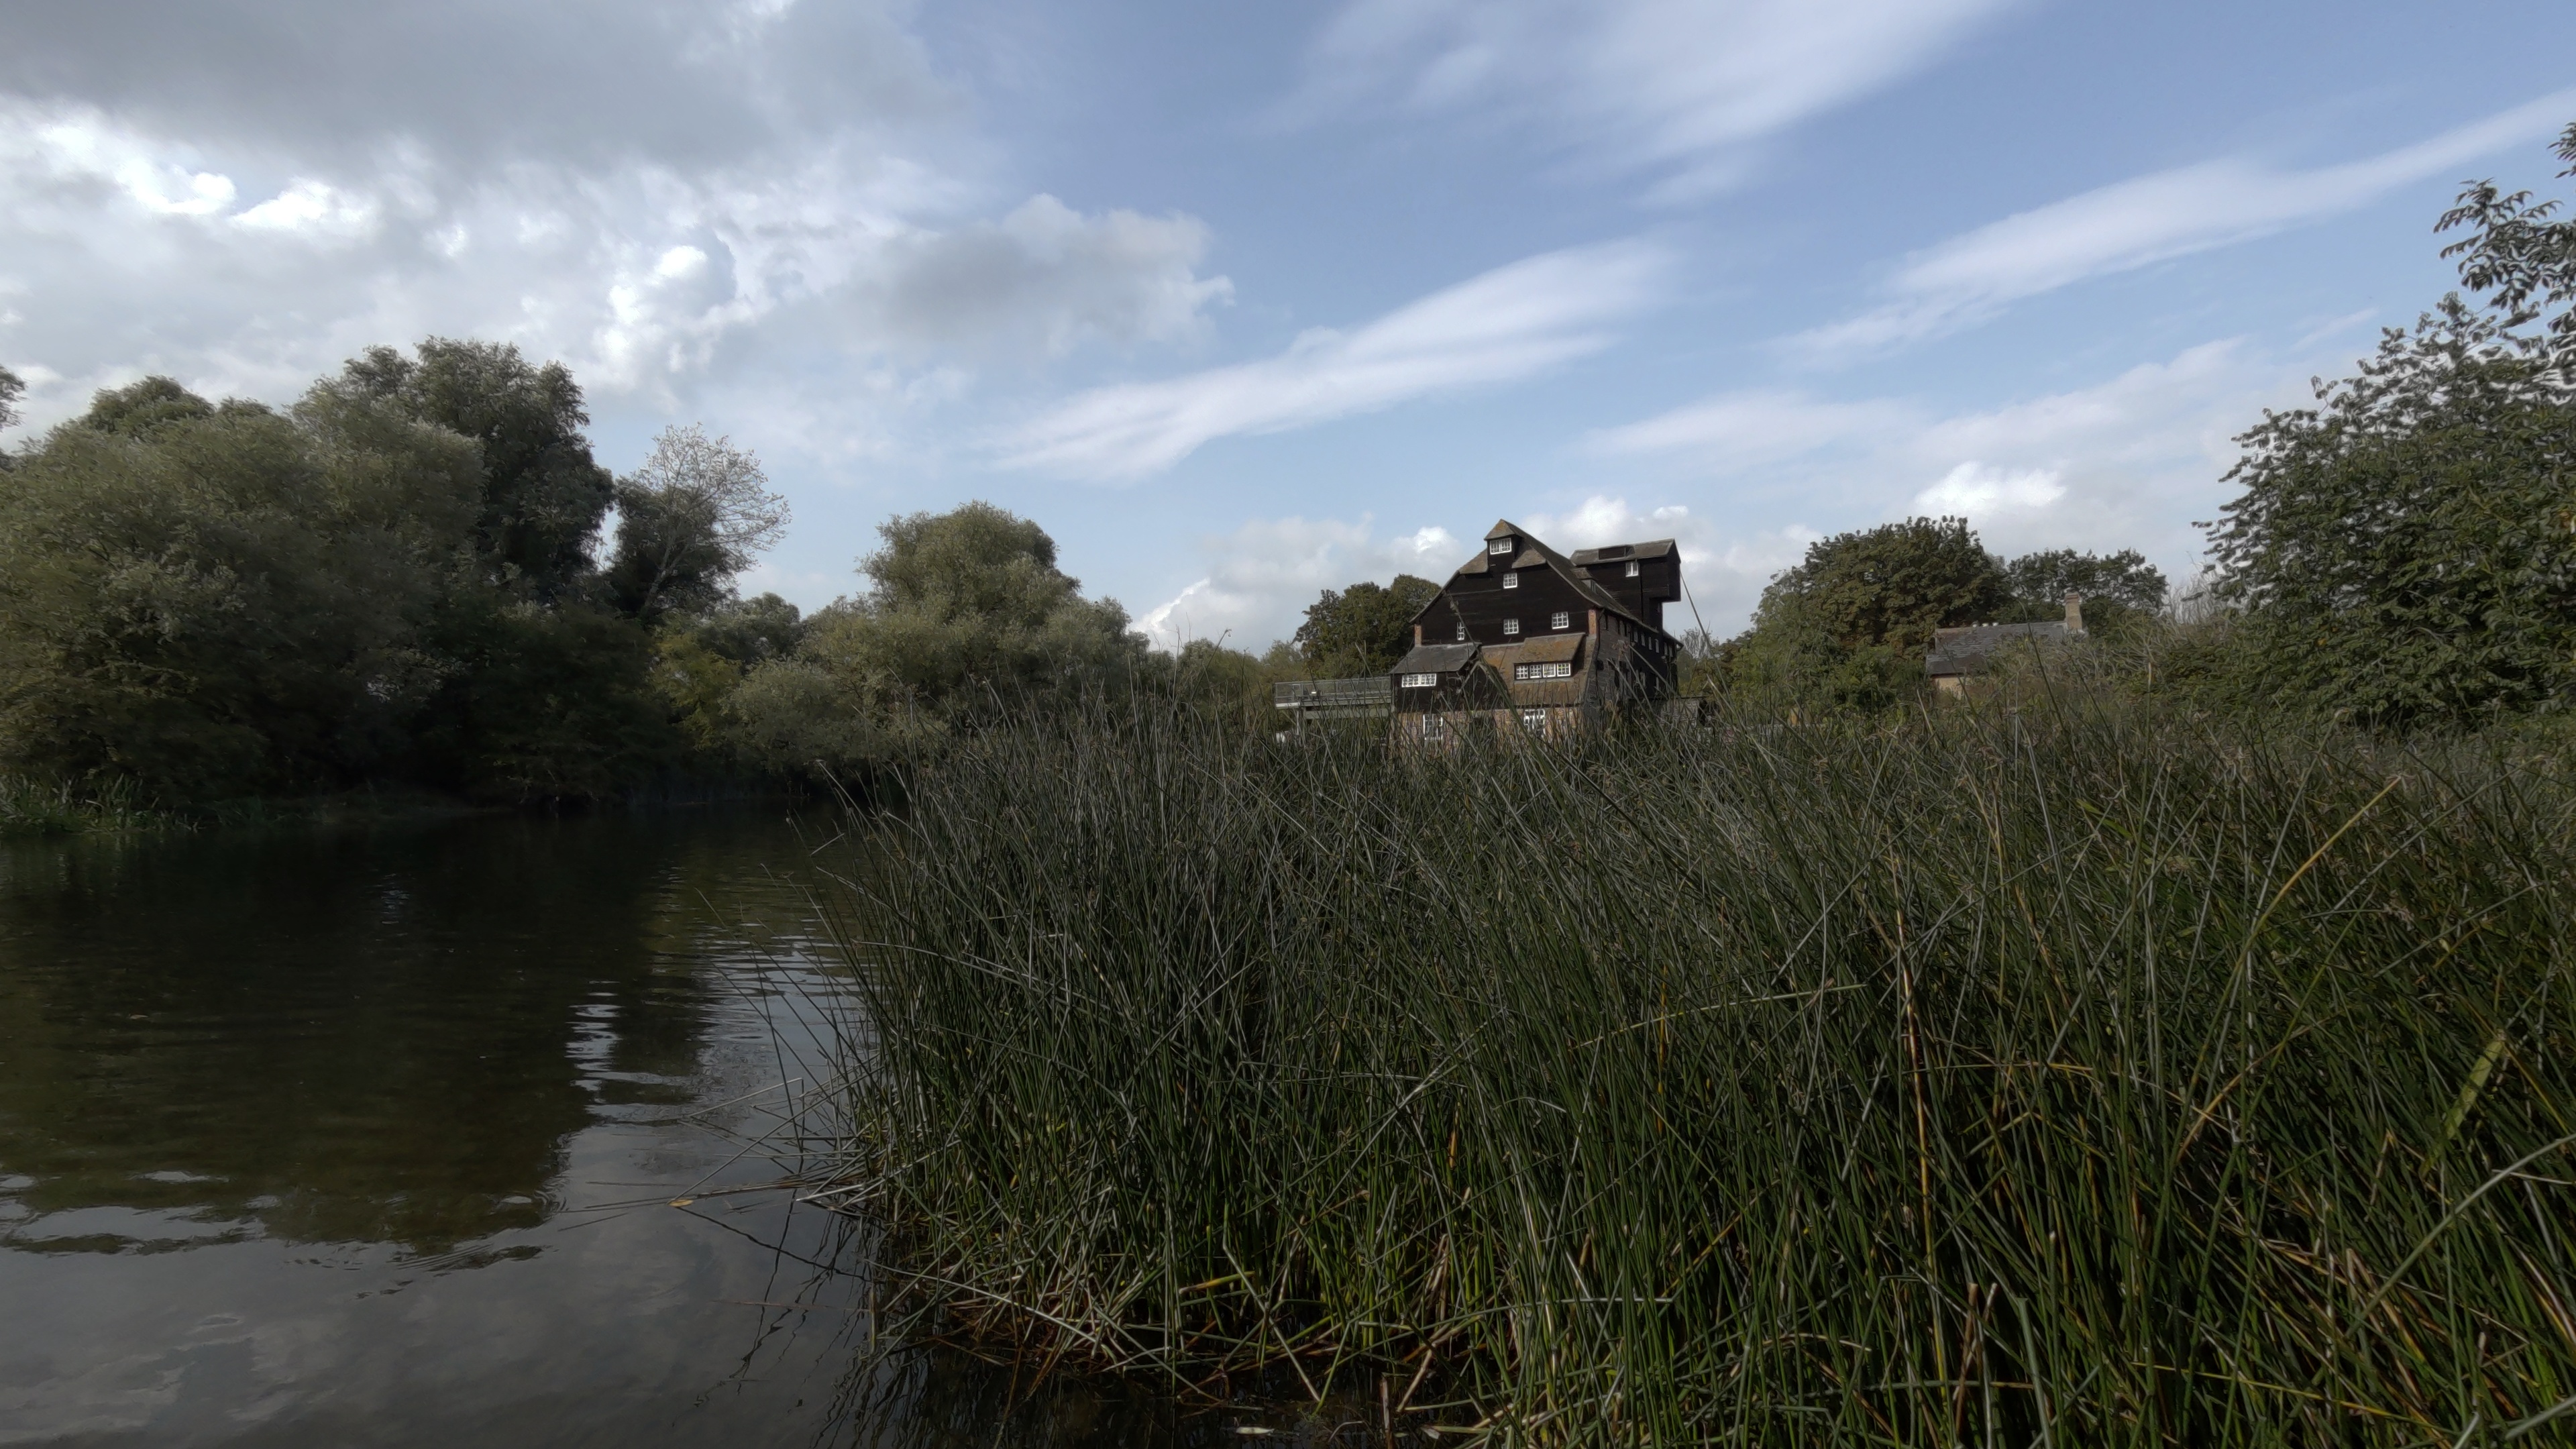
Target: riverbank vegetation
column 2062, row 1073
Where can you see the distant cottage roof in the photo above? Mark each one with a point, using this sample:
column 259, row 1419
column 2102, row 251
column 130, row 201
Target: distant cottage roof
column 1965, row 650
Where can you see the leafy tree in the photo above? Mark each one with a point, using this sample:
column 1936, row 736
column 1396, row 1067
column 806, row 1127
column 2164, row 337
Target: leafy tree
column 2044, row 579
column 1365, row 628
column 703, row 662
column 2521, row 260
column 689, row 520
column 1890, row 586
column 968, row 613
column 543, row 495
column 222, row 599
column 2407, row 548
column 12, row 388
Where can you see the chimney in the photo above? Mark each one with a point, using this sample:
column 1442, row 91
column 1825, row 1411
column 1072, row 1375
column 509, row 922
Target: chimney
column 1417, row 636
column 2074, row 613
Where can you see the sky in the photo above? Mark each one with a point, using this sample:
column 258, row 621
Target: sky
column 1245, row 302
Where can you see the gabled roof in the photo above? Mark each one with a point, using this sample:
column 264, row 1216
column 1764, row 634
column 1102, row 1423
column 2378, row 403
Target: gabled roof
column 1535, row 554
column 1436, row 659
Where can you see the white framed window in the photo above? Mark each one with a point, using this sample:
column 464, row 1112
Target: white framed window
column 1511, row 581
column 1422, row 681
column 1533, row 719
column 1559, row 619
column 1632, row 568
column 1511, row 626
column 1498, row 547
column 1434, row 728
column 1462, row 631
column 1542, row 671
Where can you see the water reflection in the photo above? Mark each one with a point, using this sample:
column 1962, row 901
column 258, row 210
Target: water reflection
column 338, row 1136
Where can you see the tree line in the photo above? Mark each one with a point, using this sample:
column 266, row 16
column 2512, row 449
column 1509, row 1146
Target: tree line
column 410, row 575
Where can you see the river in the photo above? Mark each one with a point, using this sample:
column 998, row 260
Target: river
column 372, row 1136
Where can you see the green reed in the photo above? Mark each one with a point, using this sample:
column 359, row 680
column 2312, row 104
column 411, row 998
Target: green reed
column 36, row 807
column 2070, row 1076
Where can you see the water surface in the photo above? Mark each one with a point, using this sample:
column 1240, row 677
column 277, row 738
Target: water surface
column 370, row 1135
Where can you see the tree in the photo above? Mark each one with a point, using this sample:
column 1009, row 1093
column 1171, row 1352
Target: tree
column 1365, row 628
column 2521, row 260
column 2118, row 589
column 2407, row 549
column 544, row 497
column 222, row 599
column 967, row 614
column 12, row 388
column 689, row 520
column 1891, row 586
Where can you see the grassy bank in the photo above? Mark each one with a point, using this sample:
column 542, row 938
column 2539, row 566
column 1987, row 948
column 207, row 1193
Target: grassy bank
column 31, row 807
column 2070, row 1077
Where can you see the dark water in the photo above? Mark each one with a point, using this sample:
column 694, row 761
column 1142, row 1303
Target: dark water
column 369, row 1136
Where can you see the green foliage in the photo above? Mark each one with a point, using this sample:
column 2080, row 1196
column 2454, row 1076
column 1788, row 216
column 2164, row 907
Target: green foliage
column 968, row 617
column 543, row 497
column 2022, row 1077
column 12, row 388
column 2122, row 584
column 1891, row 585
column 703, row 662
column 2524, row 262
column 220, row 600
column 2406, row 550
column 1365, row 628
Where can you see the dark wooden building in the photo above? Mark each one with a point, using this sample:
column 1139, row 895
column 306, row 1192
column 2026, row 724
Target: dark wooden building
column 1524, row 636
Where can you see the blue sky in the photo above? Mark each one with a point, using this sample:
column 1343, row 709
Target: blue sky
column 1245, row 302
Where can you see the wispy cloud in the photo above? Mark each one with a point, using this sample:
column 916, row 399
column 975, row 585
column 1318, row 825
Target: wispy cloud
column 1681, row 85
column 2118, row 464
column 1511, row 323
column 2149, row 219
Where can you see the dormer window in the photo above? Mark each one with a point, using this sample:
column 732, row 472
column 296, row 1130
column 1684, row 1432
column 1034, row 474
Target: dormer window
column 1632, row 567
column 1511, row 626
column 1511, row 581
column 1499, row 547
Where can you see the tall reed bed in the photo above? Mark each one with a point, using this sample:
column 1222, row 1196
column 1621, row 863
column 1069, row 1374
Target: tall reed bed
column 33, row 807
column 2061, row 1077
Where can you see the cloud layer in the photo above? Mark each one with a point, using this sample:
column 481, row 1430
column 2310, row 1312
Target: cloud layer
column 242, row 194
column 2149, row 219
column 1510, row 323
column 1678, row 86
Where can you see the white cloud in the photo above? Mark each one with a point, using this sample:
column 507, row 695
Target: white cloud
column 1510, row 323
column 1679, row 85
column 135, row 253
column 2145, row 220
column 1974, row 490
column 1261, row 577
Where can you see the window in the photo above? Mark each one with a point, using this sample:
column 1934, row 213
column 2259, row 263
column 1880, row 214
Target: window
column 1434, row 728
column 1511, row 626
column 1542, row 671
column 1632, row 568
column 1559, row 619
column 1533, row 719
column 1511, row 581
column 1422, row 681
column 1462, row 631
column 1499, row 547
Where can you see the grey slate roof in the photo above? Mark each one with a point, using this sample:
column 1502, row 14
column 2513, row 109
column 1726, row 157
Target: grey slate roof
column 1965, row 650
column 1436, row 659
column 1613, row 552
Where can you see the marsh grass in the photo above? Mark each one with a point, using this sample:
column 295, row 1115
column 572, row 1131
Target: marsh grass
column 31, row 807
column 2068, row 1075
